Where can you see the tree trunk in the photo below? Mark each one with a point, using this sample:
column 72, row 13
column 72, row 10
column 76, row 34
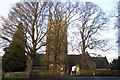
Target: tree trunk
column 29, row 66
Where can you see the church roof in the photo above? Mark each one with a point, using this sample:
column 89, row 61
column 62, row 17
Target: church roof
column 101, row 62
column 73, row 59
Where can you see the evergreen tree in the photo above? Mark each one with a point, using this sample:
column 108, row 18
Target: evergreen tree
column 14, row 58
column 115, row 65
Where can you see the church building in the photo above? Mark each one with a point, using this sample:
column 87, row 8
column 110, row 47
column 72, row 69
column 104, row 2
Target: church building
column 56, row 48
column 56, row 57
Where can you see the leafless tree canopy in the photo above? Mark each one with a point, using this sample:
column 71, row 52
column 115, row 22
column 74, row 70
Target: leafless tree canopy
column 33, row 16
column 91, row 21
column 86, row 17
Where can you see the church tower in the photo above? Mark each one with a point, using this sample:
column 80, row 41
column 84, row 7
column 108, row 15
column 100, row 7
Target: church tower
column 56, row 48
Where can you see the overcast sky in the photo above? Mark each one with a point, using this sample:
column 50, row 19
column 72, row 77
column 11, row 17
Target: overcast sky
column 109, row 7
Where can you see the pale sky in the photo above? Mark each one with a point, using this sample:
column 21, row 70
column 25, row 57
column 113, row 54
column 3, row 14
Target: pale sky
column 109, row 7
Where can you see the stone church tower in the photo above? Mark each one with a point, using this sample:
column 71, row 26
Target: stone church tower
column 56, row 48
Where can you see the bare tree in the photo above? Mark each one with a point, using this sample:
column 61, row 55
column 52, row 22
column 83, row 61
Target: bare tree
column 60, row 17
column 92, row 20
column 65, row 14
column 118, row 25
column 33, row 16
column 88, row 18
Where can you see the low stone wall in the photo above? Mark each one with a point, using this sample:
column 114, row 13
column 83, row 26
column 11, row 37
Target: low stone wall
column 107, row 72
column 99, row 73
column 16, row 75
column 46, row 73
